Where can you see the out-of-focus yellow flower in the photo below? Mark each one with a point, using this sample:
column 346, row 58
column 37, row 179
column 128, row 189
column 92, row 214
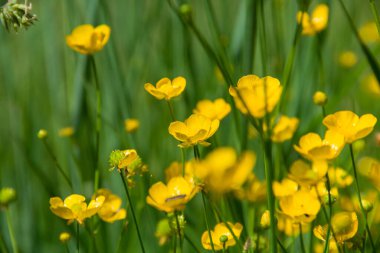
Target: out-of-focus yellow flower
column 217, row 109
column 322, row 192
column 265, row 219
column 348, row 59
column 288, row 227
column 121, row 159
column 320, row 247
column 111, row 210
column 194, row 130
column 368, row 32
column 316, row 22
column 174, row 170
column 221, row 236
column 284, row 129
column 163, row 231
column 66, row 132
column 131, row 125
column 254, row 190
column 320, row 98
column 259, row 95
column 371, row 85
column 42, row 134
column 86, row 39
column 302, row 206
column 284, row 188
column 370, row 168
column 173, row 196
column 344, row 225
column 74, row 207
column 306, row 175
column 350, row 125
column 222, row 170
column 64, row 237
column 312, row 147
column 339, row 177
column 166, row 88
column 7, row 196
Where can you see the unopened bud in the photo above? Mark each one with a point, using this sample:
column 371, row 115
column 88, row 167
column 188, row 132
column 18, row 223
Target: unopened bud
column 320, row 98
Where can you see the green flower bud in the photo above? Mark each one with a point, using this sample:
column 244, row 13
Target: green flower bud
column 7, row 196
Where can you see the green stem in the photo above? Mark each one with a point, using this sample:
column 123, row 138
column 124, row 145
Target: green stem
column 11, row 231
column 132, row 211
column 375, row 14
column 67, row 248
column 77, row 236
column 207, row 225
column 179, row 232
column 330, row 214
column 360, row 199
column 191, row 243
column 98, row 121
column 59, row 167
column 171, row 110
column 3, row 247
column 301, row 238
column 281, row 246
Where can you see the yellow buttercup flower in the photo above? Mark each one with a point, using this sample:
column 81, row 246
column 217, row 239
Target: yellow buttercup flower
column 166, row 88
column 86, row 39
column 287, row 225
column 173, row 196
column 350, row 125
column 320, row 98
column 111, row 209
column 223, row 171
column 370, row 168
column 302, row 206
column 306, row 175
column 217, row 109
column 348, row 59
column 254, row 190
column 321, row 191
column 194, row 130
column 284, row 188
column 284, row 129
column 344, row 225
column 66, row 132
column 131, row 125
column 339, row 177
column 265, row 220
column 316, row 22
column 64, row 237
column 259, row 95
column 221, row 236
column 320, row 247
column 371, row 85
column 368, row 32
column 121, row 159
column 74, row 207
column 312, row 147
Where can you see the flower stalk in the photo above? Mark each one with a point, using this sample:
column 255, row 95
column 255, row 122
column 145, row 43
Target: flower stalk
column 11, row 232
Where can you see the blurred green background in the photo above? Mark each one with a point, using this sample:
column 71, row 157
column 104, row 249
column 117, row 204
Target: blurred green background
column 44, row 84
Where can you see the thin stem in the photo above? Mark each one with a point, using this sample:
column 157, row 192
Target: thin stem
column 179, row 232
column 171, row 110
column 67, row 248
column 375, row 14
column 3, row 247
column 98, row 121
column 330, row 213
column 301, row 237
column 207, row 225
column 224, row 247
column 360, row 199
column 77, row 237
column 281, row 246
column 59, row 167
column 132, row 211
column 191, row 243
column 11, row 231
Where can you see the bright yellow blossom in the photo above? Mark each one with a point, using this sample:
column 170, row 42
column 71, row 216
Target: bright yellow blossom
column 320, row 98
column 111, row 209
column 316, row 22
column 348, row 59
column 173, row 196
column 350, row 125
column 306, row 175
column 217, row 109
column 194, row 130
column 320, row 247
column 64, row 237
column 254, row 190
column 74, row 207
column 344, row 225
column 265, row 219
column 284, row 129
column 287, row 225
column 312, row 147
column 66, row 132
column 284, row 188
column 221, row 236
column 368, row 33
column 259, row 95
column 86, row 39
column 131, row 125
column 370, row 168
column 302, row 206
column 166, row 88
column 339, row 177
